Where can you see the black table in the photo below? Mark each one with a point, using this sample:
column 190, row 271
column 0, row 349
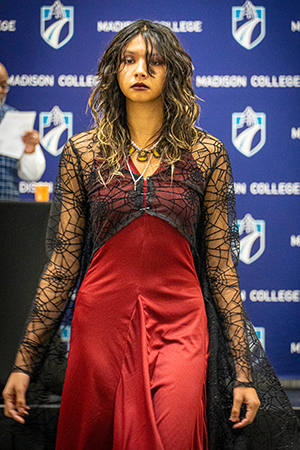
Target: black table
column 22, row 258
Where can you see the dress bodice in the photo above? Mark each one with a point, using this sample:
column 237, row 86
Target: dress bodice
column 114, row 206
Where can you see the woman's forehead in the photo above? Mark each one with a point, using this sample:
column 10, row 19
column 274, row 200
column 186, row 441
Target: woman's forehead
column 140, row 43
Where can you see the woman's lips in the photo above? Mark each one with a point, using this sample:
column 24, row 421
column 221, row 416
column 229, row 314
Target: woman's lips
column 139, row 87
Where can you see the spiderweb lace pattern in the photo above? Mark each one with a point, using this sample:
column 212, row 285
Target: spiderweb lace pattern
column 200, row 203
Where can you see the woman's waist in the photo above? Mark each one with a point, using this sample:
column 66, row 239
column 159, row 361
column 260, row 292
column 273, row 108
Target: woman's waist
column 148, row 248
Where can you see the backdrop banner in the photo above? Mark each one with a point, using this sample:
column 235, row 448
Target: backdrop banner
column 247, row 79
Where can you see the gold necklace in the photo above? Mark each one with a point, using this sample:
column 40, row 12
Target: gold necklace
column 143, row 153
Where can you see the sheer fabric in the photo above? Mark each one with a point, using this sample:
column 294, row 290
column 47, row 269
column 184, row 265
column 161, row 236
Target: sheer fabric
column 200, row 203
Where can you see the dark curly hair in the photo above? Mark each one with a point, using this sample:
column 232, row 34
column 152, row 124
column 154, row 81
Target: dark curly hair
column 108, row 103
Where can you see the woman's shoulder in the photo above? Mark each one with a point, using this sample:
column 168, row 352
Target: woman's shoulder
column 207, row 150
column 207, row 143
column 81, row 147
column 83, row 141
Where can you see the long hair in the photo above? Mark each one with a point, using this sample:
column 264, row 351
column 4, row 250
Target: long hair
column 108, row 103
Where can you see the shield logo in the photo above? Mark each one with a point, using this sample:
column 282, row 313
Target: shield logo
column 252, row 238
column 57, row 24
column 56, row 127
column 260, row 331
column 248, row 131
column 248, row 24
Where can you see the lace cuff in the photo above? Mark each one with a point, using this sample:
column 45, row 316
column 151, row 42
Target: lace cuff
column 248, row 384
column 19, row 369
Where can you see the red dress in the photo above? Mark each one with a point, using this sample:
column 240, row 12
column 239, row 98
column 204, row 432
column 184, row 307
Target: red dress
column 139, row 346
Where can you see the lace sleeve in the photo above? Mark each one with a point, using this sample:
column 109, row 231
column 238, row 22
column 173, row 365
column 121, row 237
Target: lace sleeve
column 222, row 248
column 65, row 236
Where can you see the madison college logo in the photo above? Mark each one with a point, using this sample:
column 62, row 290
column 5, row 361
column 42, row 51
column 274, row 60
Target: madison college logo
column 56, row 127
column 248, row 131
column 57, row 24
column 252, row 238
column 248, row 24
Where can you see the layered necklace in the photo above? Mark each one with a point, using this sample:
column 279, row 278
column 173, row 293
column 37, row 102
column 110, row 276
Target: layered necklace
column 144, row 153
column 136, row 180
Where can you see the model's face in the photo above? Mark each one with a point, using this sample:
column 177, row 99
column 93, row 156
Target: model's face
column 135, row 82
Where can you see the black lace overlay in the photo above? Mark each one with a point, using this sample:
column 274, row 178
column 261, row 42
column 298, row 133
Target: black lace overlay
column 199, row 201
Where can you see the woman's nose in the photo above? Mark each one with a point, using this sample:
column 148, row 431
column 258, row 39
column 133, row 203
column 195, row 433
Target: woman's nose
column 141, row 68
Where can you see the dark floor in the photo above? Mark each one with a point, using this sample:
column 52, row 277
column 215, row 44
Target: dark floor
column 12, row 439
column 294, row 397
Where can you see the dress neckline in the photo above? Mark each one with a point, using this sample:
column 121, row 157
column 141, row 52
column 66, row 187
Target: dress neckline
column 136, row 171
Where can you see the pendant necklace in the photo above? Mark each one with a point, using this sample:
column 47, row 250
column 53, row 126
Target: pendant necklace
column 143, row 153
column 135, row 181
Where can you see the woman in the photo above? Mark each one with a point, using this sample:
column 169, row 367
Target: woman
column 145, row 201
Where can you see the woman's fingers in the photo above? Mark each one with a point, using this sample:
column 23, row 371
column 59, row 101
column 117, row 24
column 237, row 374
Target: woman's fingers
column 12, row 408
column 14, row 396
column 249, row 397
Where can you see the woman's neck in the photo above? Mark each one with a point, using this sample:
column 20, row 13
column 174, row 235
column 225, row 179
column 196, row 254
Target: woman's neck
column 144, row 121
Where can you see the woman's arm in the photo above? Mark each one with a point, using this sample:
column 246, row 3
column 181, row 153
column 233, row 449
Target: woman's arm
column 222, row 248
column 65, row 238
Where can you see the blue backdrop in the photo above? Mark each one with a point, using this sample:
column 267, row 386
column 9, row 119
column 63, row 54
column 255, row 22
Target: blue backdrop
column 247, row 78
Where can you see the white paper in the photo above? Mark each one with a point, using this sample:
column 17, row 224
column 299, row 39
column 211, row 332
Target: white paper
column 12, row 127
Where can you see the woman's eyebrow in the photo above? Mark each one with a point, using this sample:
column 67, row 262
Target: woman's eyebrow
column 156, row 53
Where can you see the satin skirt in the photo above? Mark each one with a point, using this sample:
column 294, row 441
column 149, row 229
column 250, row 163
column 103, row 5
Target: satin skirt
column 139, row 347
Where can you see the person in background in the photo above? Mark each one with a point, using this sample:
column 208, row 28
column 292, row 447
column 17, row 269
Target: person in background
column 31, row 165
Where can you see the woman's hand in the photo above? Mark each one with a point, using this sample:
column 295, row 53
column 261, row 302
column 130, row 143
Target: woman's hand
column 14, row 396
column 249, row 397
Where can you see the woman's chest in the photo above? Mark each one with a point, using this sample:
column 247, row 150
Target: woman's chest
column 175, row 197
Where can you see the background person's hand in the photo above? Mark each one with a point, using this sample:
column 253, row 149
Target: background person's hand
column 14, row 396
column 30, row 139
column 249, row 397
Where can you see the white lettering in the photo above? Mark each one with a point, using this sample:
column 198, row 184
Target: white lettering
column 112, row 26
column 7, row 25
column 295, row 240
column 184, row 26
column 118, row 26
column 275, row 189
column 243, row 295
column 295, row 347
column 240, row 188
column 29, row 187
column 174, row 27
column 282, row 295
column 77, row 81
column 295, row 26
column 221, row 81
column 295, row 133
column 31, row 80
column 274, row 81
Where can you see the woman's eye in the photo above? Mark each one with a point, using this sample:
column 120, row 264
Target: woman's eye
column 156, row 62
column 129, row 61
